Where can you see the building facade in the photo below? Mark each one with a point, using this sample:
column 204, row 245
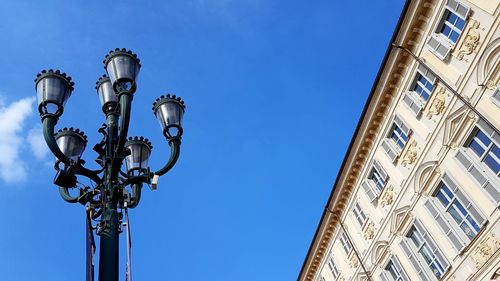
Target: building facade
column 417, row 195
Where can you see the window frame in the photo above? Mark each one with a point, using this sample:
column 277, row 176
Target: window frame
column 345, row 243
column 439, row 43
column 487, row 148
column 484, row 176
column 333, row 268
column 358, row 213
column 426, row 244
column 459, row 192
column 399, row 270
column 389, row 144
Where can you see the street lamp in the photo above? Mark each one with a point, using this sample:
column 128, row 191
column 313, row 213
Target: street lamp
column 114, row 189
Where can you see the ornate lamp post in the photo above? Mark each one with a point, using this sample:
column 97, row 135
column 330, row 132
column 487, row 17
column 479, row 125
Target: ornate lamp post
column 114, row 189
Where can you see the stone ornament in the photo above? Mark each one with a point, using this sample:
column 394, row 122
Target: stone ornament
column 369, row 231
column 485, row 250
column 387, row 196
column 353, row 261
column 471, row 40
column 409, row 155
column 437, row 103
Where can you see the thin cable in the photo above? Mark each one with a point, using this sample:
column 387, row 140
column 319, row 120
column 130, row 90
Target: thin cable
column 368, row 275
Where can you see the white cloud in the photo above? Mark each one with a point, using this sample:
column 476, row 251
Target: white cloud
column 12, row 118
column 37, row 143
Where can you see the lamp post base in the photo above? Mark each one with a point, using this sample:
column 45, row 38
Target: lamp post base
column 109, row 246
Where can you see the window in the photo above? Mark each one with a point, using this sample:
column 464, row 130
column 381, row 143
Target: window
column 452, row 26
column 333, row 268
column 480, row 158
column 378, row 175
column 486, row 150
column 396, row 139
column 460, row 208
column 375, row 181
column 424, row 251
column 420, row 90
column 359, row 214
column 398, row 135
column 394, row 271
column 449, row 29
column 455, row 214
column 346, row 245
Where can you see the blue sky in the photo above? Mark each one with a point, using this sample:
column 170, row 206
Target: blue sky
column 273, row 89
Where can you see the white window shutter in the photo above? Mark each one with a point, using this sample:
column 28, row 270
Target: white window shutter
column 438, row 46
column 400, row 268
column 445, row 225
column 477, row 174
column 426, row 73
column 389, row 149
column 383, row 277
column 369, row 190
column 473, row 210
column 380, row 170
column 488, row 130
column 458, row 8
column 398, row 121
column 430, row 242
column 413, row 260
column 413, row 102
column 496, row 97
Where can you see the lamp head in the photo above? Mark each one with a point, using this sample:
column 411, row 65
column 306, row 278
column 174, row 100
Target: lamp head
column 71, row 142
column 140, row 150
column 169, row 111
column 107, row 97
column 53, row 89
column 123, row 68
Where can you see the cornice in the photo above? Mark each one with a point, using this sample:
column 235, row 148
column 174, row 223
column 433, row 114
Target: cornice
column 408, row 33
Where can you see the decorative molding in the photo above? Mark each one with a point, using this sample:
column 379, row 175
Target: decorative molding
column 425, row 176
column 387, row 196
column 493, row 84
column 455, row 125
column 470, row 42
column 488, row 67
column 353, row 260
column 485, row 250
column 379, row 251
column 369, row 231
column 436, row 103
column 409, row 153
column 400, row 218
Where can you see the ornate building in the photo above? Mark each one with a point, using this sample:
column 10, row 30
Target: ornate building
column 417, row 195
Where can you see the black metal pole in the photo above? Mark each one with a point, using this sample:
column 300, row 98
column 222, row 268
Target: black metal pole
column 109, row 245
column 109, row 226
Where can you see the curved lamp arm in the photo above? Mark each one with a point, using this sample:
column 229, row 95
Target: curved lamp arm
column 48, row 133
column 136, row 195
column 93, row 175
column 175, row 151
column 125, row 108
column 64, row 192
